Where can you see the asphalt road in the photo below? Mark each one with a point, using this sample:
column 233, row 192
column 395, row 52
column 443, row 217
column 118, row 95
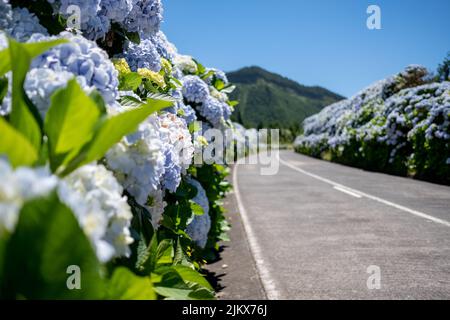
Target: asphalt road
column 316, row 227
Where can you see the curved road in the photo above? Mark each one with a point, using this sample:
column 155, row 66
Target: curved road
column 319, row 230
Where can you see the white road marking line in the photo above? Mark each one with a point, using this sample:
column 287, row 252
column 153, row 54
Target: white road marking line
column 353, row 194
column 264, row 273
column 369, row 196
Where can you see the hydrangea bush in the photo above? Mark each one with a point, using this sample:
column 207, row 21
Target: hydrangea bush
column 99, row 134
column 399, row 125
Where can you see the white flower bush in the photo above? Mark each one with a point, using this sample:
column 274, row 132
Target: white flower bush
column 399, row 125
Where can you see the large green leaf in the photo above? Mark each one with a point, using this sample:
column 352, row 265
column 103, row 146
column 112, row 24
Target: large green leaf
column 171, row 285
column 16, row 147
column 190, row 275
column 46, row 242
column 24, row 115
column 111, row 130
column 33, row 49
column 130, row 81
column 70, row 121
column 125, row 285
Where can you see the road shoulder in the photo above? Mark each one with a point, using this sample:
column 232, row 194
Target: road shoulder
column 236, row 272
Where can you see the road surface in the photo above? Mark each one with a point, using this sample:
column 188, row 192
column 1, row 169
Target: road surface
column 319, row 230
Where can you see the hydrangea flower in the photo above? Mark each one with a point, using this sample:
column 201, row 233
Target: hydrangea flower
column 143, row 55
column 216, row 73
column 214, row 111
column 94, row 23
column 41, row 83
column 5, row 15
column 195, row 89
column 24, row 24
column 178, row 150
column 116, row 10
column 185, row 64
column 79, row 58
column 199, row 227
column 166, row 49
column 17, row 187
column 145, row 17
column 138, row 161
column 95, row 197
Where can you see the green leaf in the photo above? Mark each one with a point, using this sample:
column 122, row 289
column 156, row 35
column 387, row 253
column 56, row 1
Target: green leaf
column 111, row 130
column 133, row 37
column 161, row 96
column 219, row 84
column 190, row 275
column 130, row 81
column 146, row 260
column 47, row 240
column 16, row 147
column 196, row 208
column 24, row 115
column 165, row 252
column 3, row 88
column 172, row 285
column 70, row 121
column 5, row 62
column 99, row 101
column 33, row 50
column 130, row 102
column 194, row 127
column 125, row 285
column 233, row 103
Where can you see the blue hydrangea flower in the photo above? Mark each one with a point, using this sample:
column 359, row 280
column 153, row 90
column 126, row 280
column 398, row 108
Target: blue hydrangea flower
column 166, row 49
column 145, row 17
column 116, row 10
column 143, row 55
column 185, row 111
column 5, row 14
column 172, row 173
column 214, row 110
column 218, row 74
column 85, row 60
column 41, row 83
column 19, row 23
column 195, row 89
column 94, row 23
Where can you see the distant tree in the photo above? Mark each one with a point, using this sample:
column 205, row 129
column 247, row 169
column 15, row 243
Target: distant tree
column 443, row 71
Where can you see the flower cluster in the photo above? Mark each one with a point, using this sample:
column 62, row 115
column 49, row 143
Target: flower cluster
column 95, row 197
column 211, row 104
column 402, row 115
column 80, row 59
column 17, row 187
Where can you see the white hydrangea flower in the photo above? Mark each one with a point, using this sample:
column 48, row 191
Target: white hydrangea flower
column 17, row 187
column 185, row 63
column 138, row 161
column 95, row 197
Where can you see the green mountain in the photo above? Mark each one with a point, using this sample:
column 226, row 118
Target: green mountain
column 271, row 101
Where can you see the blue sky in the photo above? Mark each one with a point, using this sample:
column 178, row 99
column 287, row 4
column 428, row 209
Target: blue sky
column 315, row 42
